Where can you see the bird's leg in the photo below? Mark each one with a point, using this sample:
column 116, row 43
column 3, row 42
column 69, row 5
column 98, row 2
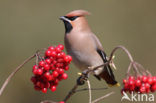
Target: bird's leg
column 111, row 62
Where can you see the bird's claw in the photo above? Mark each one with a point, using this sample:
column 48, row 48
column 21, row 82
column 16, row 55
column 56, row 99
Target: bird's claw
column 80, row 81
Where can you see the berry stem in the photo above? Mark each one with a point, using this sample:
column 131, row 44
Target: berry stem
column 14, row 72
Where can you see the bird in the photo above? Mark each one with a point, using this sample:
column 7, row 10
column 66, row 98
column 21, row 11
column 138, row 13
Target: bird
column 84, row 47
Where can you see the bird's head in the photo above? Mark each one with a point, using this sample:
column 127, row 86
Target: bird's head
column 75, row 20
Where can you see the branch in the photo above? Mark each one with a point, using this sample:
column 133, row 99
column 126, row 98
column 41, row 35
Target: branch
column 13, row 73
column 84, row 89
column 101, row 98
column 90, row 92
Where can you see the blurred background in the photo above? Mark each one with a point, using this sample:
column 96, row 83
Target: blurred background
column 28, row 25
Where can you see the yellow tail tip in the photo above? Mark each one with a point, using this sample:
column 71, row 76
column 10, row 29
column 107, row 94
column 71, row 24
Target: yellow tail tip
column 117, row 85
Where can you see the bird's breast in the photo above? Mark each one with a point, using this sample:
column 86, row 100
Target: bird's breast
column 83, row 51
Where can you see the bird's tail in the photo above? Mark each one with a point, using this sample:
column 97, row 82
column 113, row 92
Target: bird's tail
column 107, row 73
column 108, row 76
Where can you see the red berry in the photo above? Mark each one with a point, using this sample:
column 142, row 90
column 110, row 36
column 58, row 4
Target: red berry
column 51, row 48
column 41, row 63
column 67, row 58
column 35, row 67
column 52, row 67
column 132, row 88
column 139, row 77
column 60, row 60
column 39, row 71
column 48, row 53
column 147, row 85
column 40, row 84
column 126, row 87
column 64, row 76
column 60, row 71
column 35, row 71
column 70, row 58
column 59, row 55
column 66, row 68
column 62, row 54
column 51, row 58
column 46, row 67
column 44, row 90
column 153, row 88
column 53, row 88
column 154, row 79
column 53, row 54
column 124, row 81
column 57, row 49
column 56, row 82
column 61, row 102
column 150, row 80
column 144, row 79
column 54, row 62
column 48, row 61
column 131, row 78
column 142, row 89
column 131, row 82
column 138, row 83
column 60, row 46
column 47, row 75
column 55, row 74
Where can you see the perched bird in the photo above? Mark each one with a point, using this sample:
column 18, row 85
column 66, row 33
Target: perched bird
column 84, row 47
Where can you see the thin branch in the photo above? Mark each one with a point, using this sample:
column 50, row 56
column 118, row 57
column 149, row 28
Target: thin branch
column 103, row 97
column 13, row 73
column 128, row 70
column 72, row 91
column 90, row 92
column 84, row 89
column 48, row 101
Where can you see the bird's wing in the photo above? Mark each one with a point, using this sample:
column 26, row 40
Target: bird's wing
column 97, row 42
column 107, row 73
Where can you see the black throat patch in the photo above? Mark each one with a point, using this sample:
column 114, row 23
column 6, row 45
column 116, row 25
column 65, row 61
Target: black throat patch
column 68, row 26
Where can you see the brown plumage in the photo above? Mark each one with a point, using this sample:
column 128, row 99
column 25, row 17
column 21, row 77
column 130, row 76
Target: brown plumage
column 84, row 47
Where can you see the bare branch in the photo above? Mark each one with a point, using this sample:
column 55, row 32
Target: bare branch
column 90, row 92
column 13, row 73
column 84, row 89
column 101, row 98
column 48, row 101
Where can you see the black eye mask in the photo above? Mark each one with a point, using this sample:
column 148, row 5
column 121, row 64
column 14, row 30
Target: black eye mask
column 72, row 18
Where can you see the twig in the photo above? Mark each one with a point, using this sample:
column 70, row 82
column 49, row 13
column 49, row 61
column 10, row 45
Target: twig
column 101, row 98
column 48, row 101
column 84, row 89
column 13, row 73
column 72, row 91
column 90, row 92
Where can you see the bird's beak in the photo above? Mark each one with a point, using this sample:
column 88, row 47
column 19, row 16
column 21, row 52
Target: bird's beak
column 64, row 18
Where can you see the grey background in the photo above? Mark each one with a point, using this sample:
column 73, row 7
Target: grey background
column 28, row 25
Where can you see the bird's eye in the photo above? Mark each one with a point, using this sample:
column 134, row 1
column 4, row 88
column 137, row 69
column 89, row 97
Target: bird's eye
column 72, row 18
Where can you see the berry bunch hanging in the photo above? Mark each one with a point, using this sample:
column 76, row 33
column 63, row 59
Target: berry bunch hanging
column 140, row 84
column 50, row 68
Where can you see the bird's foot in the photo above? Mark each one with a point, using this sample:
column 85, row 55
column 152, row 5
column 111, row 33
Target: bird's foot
column 81, row 80
column 112, row 63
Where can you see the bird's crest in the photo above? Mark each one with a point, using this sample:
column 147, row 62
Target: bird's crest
column 77, row 13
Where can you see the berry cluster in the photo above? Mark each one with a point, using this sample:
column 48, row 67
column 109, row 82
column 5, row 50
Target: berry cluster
column 141, row 84
column 49, row 70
